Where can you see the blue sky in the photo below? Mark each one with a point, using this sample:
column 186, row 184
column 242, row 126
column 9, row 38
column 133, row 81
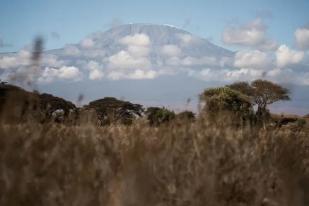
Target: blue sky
column 68, row 21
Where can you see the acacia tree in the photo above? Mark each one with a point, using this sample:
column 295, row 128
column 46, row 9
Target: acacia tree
column 262, row 93
column 224, row 100
column 111, row 110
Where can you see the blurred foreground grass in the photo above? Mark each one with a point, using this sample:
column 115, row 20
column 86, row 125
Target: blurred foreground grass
column 175, row 164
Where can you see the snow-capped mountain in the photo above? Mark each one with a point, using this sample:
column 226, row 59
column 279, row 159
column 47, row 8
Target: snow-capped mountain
column 139, row 51
column 146, row 63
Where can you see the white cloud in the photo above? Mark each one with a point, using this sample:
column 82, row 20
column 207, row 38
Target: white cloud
column 302, row 38
column 87, row 43
column 170, row 50
column 71, row 50
column 93, row 65
column 135, row 74
column 94, row 53
column 124, row 59
column 244, row 74
column 95, row 70
column 66, row 72
column 227, row 75
column 96, row 74
column 136, row 39
column 141, row 74
column 252, row 34
column 286, row 56
column 69, row 72
column 186, row 38
column 22, row 58
column 138, row 51
column 50, row 60
column 189, row 61
column 192, row 61
column 252, row 59
column 116, row 75
column 7, row 62
column 135, row 56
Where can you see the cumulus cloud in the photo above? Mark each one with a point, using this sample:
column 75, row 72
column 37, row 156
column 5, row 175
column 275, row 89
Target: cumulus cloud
column 189, row 61
column 186, row 38
column 87, row 43
column 170, row 50
column 124, row 59
column 252, row 34
column 13, row 61
column 135, row 74
column 227, row 75
column 208, row 60
column 286, row 56
column 302, row 38
column 252, row 59
column 132, row 62
column 95, row 70
column 142, row 74
column 138, row 51
column 51, row 60
column 136, row 39
column 247, row 74
column 96, row 74
column 66, row 73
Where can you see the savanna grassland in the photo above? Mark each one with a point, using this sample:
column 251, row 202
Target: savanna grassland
column 198, row 162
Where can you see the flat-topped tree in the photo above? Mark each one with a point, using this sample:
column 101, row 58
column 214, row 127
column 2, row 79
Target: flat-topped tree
column 224, row 102
column 225, row 99
column 266, row 92
column 110, row 109
column 243, row 87
column 262, row 93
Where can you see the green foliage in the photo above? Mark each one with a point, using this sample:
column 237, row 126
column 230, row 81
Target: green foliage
column 243, row 87
column 157, row 115
column 50, row 103
column 20, row 104
column 262, row 93
column 225, row 99
column 110, row 109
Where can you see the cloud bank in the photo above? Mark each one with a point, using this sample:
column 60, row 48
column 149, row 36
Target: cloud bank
column 139, row 55
column 252, row 34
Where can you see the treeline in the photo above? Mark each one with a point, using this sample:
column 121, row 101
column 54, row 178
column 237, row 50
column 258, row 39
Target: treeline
column 240, row 102
column 19, row 105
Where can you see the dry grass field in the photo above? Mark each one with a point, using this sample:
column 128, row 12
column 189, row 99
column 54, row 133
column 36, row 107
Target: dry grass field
column 181, row 163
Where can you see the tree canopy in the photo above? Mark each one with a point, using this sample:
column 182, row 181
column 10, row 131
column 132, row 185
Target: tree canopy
column 225, row 99
column 262, row 92
column 158, row 115
column 110, row 109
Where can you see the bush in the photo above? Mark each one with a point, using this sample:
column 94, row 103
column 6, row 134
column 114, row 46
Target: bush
column 157, row 115
column 224, row 101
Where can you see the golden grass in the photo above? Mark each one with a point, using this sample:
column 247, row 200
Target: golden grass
column 178, row 164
